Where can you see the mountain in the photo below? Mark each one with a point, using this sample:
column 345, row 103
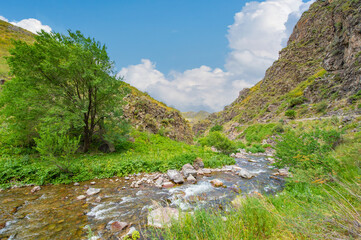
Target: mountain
column 318, row 73
column 142, row 111
column 194, row 117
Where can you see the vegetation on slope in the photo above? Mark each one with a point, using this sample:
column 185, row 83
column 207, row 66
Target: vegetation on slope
column 9, row 32
column 317, row 73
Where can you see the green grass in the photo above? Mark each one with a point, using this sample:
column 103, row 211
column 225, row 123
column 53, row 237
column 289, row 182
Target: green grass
column 258, row 132
column 149, row 153
column 315, row 208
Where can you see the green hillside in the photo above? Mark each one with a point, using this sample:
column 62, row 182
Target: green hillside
column 9, row 32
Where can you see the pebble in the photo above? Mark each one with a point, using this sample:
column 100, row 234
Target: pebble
column 35, row 189
column 92, row 183
column 76, row 184
column 81, row 197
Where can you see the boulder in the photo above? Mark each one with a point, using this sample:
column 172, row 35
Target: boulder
column 187, row 170
column 92, row 191
column 168, row 185
column 206, row 171
column 175, row 176
column 159, row 182
column 162, row 216
column 217, row 183
column 198, row 163
column 118, row 226
column 191, row 179
column 245, row 174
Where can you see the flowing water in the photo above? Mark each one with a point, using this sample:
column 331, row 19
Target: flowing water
column 55, row 213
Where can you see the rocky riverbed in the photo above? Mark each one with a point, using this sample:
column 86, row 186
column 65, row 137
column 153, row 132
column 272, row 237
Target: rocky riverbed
column 114, row 207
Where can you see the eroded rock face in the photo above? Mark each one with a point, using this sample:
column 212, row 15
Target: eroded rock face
column 162, row 216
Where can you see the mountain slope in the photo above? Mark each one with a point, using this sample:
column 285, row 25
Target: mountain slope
column 194, row 117
column 317, row 73
column 142, row 111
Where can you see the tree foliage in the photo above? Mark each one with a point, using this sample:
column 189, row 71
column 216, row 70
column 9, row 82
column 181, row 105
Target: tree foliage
column 62, row 81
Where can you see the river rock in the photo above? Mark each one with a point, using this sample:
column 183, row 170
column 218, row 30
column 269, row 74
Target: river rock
column 76, row 184
column 35, row 189
column 191, row 179
column 235, row 188
column 188, row 169
column 198, row 163
column 126, row 178
column 81, row 197
column 175, row 176
column 283, row 172
column 92, row 191
column 217, row 183
column 200, row 172
column 118, row 226
column 159, row 182
column 92, row 183
column 168, row 185
column 162, row 216
column 245, row 174
column 206, row 171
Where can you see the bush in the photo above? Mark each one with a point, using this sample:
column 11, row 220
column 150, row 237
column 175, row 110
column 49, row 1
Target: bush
column 290, row 114
column 219, row 141
column 308, row 151
column 217, row 128
column 256, row 148
column 258, row 132
column 321, row 107
column 296, row 101
column 278, row 128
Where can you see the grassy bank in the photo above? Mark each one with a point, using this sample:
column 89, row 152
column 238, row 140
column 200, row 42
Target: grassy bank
column 321, row 201
column 148, row 153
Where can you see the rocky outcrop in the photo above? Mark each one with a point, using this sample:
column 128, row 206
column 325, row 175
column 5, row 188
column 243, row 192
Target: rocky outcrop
column 321, row 64
column 148, row 114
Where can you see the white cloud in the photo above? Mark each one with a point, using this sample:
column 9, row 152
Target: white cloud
column 258, row 33
column 31, row 24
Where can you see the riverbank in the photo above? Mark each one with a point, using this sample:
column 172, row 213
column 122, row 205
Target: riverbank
column 147, row 153
column 321, row 201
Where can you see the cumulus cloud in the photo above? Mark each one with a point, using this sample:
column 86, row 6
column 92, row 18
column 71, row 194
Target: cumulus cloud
column 258, row 33
column 31, row 24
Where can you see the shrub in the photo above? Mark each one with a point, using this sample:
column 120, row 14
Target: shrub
column 216, row 128
column 278, row 128
column 219, row 141
column 290, row 114
column 258, row 132
column 308, row 151
column 256, row 148
column 296, row 101
column 321, row 106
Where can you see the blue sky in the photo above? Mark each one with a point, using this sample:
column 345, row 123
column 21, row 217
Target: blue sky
column 193, row 55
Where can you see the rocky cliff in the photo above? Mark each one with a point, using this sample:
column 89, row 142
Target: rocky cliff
column 318, row 73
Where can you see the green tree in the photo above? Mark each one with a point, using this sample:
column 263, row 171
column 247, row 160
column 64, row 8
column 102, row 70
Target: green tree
column 60, row 79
